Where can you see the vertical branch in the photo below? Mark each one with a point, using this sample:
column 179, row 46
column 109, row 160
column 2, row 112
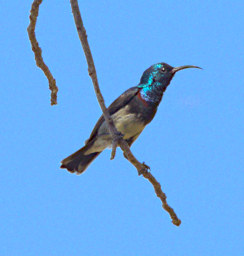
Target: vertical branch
column 91, row 67
column 38, row 52
column 117, row 138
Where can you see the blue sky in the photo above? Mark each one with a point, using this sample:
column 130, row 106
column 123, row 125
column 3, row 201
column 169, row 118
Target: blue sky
column 194, row 145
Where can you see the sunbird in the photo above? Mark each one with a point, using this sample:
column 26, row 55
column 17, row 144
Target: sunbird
column 131, row 112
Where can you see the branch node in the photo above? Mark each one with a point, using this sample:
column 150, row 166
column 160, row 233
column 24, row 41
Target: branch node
column 144, row 169
column 90, row 72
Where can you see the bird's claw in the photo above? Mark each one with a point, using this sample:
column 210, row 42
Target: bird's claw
column 119, row 135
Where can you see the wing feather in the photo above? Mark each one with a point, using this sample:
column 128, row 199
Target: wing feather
column 121, row 101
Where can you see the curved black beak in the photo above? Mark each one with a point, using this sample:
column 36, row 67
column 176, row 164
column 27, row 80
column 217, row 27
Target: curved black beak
column 174, row 70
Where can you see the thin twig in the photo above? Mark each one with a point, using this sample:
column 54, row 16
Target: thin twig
column 38, row 52
column 162, row 196
column 116, row 136
column 114, row 146
column 92, row 71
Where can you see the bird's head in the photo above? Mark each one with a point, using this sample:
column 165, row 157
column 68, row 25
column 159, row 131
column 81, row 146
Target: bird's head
column 160, row 75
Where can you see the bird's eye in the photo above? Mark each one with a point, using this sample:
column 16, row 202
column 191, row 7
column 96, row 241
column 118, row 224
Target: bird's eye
column 163, row 69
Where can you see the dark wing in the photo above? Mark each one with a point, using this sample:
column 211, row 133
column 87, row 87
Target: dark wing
column 121, row 101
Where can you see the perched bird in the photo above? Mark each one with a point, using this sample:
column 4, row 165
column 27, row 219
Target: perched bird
column 131, row 112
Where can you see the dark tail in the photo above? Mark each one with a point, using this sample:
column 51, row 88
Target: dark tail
column 78, row 161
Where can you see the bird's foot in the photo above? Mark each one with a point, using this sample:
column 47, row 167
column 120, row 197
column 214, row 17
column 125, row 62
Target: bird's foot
column 144, row 169
column 119, row 135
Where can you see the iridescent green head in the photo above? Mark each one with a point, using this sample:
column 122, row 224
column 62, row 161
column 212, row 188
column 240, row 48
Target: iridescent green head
column 160, row 74
column 155, row 80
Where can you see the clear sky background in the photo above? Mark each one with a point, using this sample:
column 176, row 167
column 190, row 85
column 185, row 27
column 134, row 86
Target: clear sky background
column 194, row 145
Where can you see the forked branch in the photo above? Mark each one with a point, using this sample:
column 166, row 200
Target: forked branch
column 116, row 136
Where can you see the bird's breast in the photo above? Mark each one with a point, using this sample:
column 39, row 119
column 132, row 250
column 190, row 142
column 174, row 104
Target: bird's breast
column 126, row 122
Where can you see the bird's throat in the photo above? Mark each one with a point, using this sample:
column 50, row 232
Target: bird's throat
column 152, row 94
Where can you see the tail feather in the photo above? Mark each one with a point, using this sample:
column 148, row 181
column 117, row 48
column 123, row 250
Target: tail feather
column 78, row 161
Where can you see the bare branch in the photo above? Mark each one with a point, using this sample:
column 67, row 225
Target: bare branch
column 116, row 136
column 114, row 146
column 162, row 196
column 38, row 52
column 91, row 67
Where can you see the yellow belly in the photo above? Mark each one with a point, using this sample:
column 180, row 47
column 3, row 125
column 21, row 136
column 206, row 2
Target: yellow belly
column 126, row 123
